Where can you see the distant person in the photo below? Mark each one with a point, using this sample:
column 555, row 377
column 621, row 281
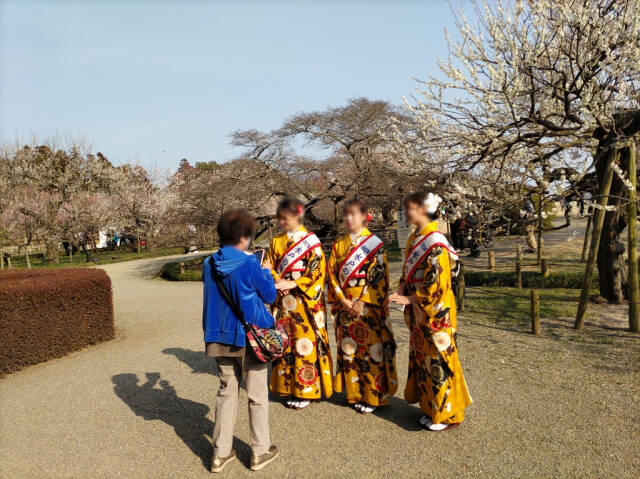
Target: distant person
column 457, row 233
column 435, row 380
column 473, row 236
column 250, row 285
column 358, row 285
column 304, row 373
column 529, row 215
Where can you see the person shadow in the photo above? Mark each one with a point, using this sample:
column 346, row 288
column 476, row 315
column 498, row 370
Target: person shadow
column 398, row 411
column 196, row 360
column 187, row 418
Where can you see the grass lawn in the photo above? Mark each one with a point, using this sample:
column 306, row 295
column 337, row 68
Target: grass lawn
column 509, row 305
column 100, row 257
column 510, row 309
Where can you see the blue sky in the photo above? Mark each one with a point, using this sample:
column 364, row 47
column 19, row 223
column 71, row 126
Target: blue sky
column 157, row 81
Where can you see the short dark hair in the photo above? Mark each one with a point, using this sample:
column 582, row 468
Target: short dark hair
column 290, row 205
column 418, row 198
column 235, row 225
column 355, row 203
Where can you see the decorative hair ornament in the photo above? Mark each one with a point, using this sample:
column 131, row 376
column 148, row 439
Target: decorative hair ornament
column 300, row 209
column 431, row 202
column 369, row 217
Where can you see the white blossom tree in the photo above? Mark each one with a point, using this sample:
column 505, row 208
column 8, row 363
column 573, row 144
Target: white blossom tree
column 526, row 84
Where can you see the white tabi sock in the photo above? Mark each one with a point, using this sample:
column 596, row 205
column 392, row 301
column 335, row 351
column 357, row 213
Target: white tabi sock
column 438, row 427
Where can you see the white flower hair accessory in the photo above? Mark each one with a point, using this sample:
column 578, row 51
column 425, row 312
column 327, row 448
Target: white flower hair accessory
column 431, row 202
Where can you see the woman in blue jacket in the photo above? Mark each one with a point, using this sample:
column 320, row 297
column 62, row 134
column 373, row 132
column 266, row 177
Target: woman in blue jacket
column 250, row 286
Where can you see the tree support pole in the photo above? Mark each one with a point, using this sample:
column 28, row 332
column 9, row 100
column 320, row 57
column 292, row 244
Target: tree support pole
column 461, row 287
column 598, row 221
column 632, row 210
column 535, row 313
column 585, row 244
column 540, row 251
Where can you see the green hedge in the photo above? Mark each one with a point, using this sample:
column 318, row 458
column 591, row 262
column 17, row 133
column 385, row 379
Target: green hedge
column 192, row 270
column 530, row 279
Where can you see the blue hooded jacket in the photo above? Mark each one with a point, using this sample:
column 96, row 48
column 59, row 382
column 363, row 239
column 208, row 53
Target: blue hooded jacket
column 249, row 285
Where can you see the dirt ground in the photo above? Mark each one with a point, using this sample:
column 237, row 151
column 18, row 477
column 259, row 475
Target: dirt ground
column 563, row 404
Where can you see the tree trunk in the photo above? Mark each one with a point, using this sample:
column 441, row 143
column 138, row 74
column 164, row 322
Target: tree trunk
column 52, row 251
column 611, row 263
column 632, row 215
column 598, row 221
column 151, row 247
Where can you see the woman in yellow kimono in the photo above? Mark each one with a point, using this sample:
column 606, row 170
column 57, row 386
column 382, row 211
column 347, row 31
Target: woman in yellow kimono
column 304, row 372
column 358, row 286
column 435, row 379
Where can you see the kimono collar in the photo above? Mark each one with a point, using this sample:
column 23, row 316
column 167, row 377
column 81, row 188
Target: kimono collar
column 429, row 228
column 363, row 232
column 293, row 233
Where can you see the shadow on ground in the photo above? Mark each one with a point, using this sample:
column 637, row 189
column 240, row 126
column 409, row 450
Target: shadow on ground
column 399, row 412
column 187, row 418
column 196, row 360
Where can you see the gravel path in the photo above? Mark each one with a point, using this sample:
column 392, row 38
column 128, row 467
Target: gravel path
column 142, row 405
column 563, row 247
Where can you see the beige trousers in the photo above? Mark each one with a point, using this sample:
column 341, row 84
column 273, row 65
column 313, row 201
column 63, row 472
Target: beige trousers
column 231, row 371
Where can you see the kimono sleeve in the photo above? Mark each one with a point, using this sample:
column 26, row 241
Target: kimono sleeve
column 402, row 283
column 430, row 294
column 272, row 257
column 335, row 291
column 377, row 280
column 311, row 282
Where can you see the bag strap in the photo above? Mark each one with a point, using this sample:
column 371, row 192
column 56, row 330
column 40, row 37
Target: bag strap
column 225, row 294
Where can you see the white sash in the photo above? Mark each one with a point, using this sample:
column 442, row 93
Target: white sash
column 421, row 248
column 297, row 251
column 358, row 256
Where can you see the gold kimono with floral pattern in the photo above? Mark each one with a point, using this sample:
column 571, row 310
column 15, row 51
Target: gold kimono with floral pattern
column 366, row 347
column 435, row 377
column 305, row 370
